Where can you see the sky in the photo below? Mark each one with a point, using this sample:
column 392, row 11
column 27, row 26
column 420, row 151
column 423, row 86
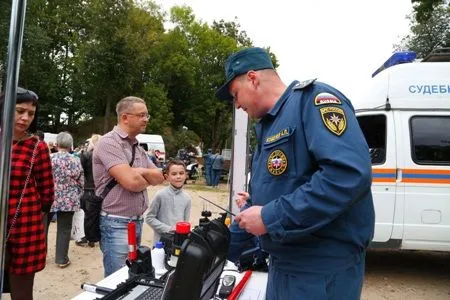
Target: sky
column 339, row 42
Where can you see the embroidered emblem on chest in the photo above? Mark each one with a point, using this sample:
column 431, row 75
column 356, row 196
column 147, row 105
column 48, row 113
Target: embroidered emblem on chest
column 277, row 162
column 334, row 119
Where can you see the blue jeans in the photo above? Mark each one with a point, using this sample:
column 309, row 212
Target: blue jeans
column 208, row 175
column 216, row 177
column 114, row 242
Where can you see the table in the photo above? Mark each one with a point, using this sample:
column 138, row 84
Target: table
column 254, row 290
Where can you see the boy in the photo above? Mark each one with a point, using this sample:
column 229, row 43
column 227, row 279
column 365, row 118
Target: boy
column 171, row 204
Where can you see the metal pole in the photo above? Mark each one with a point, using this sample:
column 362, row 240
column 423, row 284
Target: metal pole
column 239, row 157
column 17, row 23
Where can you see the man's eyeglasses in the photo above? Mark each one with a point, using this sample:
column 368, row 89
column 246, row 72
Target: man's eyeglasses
column 26, row 94
column 145, row 116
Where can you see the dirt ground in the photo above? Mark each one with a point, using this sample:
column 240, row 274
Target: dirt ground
column 411, row 275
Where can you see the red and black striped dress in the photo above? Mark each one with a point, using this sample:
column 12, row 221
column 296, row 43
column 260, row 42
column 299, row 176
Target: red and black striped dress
column 26, row 243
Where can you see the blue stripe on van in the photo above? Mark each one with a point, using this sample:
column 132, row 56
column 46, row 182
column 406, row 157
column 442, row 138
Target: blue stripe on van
column 435, row 176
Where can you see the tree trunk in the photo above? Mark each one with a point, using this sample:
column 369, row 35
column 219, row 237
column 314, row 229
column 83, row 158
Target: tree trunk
column 107, row 114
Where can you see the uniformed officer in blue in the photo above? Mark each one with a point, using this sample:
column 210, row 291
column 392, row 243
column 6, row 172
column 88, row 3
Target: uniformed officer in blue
column 207, row 158
column 312, row 205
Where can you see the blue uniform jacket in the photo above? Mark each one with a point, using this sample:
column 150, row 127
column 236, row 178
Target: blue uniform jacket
column 311, row 172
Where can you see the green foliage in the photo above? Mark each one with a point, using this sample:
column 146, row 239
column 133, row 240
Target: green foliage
column 83, row 56
column 424, row 9
column 181, row 138
column 428, row 35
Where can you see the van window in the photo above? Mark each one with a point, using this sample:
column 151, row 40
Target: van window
column 430, row 139
column 374, row 130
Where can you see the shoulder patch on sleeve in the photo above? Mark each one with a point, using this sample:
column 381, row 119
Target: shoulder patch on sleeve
column 334, row 119
column 326, row 98
column 304, row 84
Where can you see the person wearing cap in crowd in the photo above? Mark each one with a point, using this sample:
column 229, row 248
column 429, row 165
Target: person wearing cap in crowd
column 312, row 205
column 31, row 193
column 122, row 172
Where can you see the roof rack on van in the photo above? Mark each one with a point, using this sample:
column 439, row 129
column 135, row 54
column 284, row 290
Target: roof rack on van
column 438, row 55
column 397, row 58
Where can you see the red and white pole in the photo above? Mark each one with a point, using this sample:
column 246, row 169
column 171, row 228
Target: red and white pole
column 132, row 245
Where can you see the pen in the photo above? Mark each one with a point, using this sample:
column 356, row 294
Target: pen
column 96, row 289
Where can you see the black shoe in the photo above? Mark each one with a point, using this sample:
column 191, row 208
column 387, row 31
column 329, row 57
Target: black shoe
column 91, row 244
column 82, row 243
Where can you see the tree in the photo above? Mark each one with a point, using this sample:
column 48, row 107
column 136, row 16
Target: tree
column 424, row 9
column 82, row 56
column 190, row 65
column 430, row 34
column 115, row 58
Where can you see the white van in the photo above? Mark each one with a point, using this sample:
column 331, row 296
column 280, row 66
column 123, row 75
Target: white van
column 50, row 137
column 153, row 142
column 405, row 117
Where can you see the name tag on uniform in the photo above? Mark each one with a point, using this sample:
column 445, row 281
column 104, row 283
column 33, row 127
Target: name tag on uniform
column 283, row 133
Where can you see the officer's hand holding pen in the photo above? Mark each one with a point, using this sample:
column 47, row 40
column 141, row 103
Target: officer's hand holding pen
column 250, row 220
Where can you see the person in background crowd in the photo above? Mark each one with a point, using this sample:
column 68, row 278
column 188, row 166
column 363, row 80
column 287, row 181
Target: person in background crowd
column 122, row 173
column 171, row 204
column 208, row 167
column 52, row 147
column 153, row 158
column 158, row 155
column 26, row 247
column 69, row 182
column 216, row 167
column 90, row 203
column 310, row 183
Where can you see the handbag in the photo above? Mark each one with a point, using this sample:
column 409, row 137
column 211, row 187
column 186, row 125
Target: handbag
column 6, row 283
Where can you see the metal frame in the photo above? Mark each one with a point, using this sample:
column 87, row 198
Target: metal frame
column 16, row 28
column 239, row 157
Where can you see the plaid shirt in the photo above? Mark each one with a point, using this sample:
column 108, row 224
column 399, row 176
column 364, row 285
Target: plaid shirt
column 26, row 242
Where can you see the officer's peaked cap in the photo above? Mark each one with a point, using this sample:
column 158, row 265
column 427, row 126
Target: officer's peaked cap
column 240, row 63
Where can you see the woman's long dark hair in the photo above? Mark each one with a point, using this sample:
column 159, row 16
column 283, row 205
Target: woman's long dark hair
column 23, row 96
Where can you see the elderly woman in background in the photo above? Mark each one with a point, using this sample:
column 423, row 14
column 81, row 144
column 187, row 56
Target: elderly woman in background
column 69, row 182
column 30, row 195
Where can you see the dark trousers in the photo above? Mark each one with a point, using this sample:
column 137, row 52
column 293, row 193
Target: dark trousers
column 63, row 230
column 92, row 206
column 21, row 286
